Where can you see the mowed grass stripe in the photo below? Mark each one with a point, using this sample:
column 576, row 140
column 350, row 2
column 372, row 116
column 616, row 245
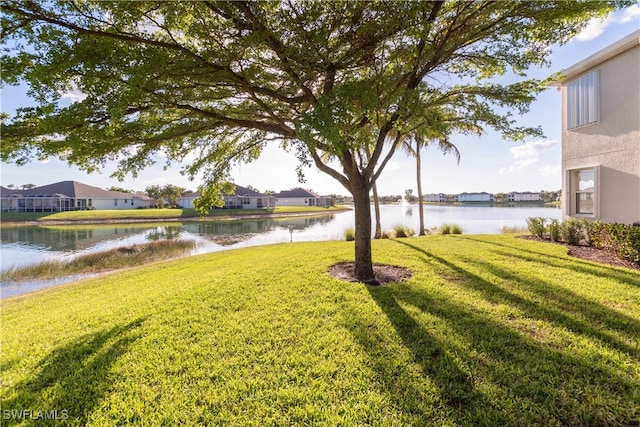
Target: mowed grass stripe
column 490, row 330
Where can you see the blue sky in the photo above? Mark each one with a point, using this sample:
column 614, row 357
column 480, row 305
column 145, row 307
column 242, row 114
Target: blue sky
column 487, row 163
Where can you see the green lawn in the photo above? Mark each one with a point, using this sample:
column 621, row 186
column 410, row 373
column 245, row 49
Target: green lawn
column 124, row 214
column 490, row 330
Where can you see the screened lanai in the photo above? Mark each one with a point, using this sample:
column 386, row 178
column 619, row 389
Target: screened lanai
column 36, row 203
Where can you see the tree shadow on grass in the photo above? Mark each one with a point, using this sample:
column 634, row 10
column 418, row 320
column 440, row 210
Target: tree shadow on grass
column 625, row 276
column 562, row 306
column 489, row 372
column 558, row 306
column 73, row 378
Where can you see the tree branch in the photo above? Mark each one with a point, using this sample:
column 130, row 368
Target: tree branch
column 277, row 47
column 388, row 157
column 330, row 171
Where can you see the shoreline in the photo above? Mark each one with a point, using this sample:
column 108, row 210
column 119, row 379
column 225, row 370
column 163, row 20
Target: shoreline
column 221, row 217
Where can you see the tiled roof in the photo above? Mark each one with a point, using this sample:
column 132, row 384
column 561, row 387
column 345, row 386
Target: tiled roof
column 239, row 191
column 296, row 192
column 74, row 189
column 245, row 192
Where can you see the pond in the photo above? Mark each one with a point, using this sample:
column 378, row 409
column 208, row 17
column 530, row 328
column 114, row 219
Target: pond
column 25, row 245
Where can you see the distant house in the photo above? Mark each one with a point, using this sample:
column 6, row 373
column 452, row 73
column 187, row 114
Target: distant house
column 68, row 196
column 475, row 197
column 526, row 196
column 601, row 134
column 439, row 197
column 301, row 197
column 242, row 198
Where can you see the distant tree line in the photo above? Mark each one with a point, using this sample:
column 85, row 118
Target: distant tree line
column 167, row 195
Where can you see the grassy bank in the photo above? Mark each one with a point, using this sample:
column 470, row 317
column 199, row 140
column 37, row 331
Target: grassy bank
column 490, row 330
column 113, row 259
column 158, row 214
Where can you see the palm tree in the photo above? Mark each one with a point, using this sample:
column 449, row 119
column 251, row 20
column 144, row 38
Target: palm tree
column 376, row 202
column 421, row 141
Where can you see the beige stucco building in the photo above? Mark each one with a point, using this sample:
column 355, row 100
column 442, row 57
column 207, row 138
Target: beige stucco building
column 601, row 134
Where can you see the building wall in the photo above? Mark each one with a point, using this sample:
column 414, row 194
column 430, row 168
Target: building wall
column 472, row 197
column 109, row 204
column 292, row 201
column 440, row 197
column 236, row 202
column 524, row 197
column 186, row 202
column 612, row 145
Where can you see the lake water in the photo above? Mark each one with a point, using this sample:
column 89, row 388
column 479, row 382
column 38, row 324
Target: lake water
column 32, row 244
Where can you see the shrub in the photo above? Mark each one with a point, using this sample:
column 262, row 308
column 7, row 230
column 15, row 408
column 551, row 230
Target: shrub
column 571, row 231
column 554, row 230
column 601, row 237
column 589, row 228
column 402, row 231
column 388, row 234
column 456, row 229
column 450, row 229
column 350, row 234
column 625, row 241
column 536, row 226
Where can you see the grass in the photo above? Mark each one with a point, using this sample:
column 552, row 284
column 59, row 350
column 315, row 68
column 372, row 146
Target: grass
column 137, row 214
column 514, row 229
column 112, row 259
column 490, row 330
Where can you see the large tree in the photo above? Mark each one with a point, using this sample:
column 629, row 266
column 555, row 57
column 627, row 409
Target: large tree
column 212, row 83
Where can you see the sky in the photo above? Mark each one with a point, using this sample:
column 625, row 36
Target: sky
column 487, row 163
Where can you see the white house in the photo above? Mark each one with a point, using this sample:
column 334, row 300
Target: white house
column 601, row 134
column 242, row 198
column 526, row 196
column 475, row 197
column 69, row 196
column 439, row 197
column 301, row 197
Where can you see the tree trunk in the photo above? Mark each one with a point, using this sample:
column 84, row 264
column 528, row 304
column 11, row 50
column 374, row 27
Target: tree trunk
column 362, row 206
column 376, row 200
column 376, row 203
column 420, row 201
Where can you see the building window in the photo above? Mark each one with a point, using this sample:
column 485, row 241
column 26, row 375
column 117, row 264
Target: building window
column 585, row 181
column 115, row 202
column 582, row 194
column 583, row 101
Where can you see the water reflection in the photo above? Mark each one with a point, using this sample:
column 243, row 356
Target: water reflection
column 63, row 238
column 165, row 233
column 32, row 244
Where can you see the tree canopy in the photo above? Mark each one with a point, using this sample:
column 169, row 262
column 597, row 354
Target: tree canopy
column 212, row 83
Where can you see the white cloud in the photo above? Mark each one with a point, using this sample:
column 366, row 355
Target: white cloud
column 527, row 154
column 596, row 26
column 532, row 149
column 74, row 95
column 550, row 170
column 629, row 14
